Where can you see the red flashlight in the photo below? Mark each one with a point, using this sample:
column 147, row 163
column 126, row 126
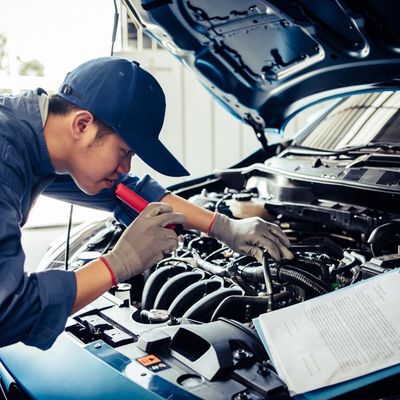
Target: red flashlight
column 138, row 203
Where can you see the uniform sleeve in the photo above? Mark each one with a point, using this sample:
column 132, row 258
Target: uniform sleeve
column 64, row 188
column 33, row 308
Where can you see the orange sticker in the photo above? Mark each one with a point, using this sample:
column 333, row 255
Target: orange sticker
column 148, row 360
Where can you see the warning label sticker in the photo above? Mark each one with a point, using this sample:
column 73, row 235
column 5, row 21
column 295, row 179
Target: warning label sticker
column 148, row 360
column 153, row 363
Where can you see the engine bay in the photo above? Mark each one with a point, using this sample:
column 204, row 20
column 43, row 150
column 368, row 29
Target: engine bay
column 192, row 313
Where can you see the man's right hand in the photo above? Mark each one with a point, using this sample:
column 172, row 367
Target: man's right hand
column 144, row 242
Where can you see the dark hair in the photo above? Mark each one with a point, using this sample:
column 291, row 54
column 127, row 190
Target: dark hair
column 59, row 106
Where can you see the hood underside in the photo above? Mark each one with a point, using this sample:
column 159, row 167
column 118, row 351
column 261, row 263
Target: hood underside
column 267, row 60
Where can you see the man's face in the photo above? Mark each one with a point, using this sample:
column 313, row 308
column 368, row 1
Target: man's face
column 98, row 163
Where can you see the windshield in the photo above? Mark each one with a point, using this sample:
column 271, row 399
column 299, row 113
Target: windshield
column 356, row 121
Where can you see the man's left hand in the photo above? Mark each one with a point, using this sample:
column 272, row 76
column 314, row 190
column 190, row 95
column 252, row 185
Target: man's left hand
column 251, row 236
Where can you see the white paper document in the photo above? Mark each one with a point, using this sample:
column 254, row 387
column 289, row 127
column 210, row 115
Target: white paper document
column 336, row 337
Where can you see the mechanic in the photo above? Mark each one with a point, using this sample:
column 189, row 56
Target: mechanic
column 76, row 146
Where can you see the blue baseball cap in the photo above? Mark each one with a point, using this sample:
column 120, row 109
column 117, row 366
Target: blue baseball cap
column 129, row 99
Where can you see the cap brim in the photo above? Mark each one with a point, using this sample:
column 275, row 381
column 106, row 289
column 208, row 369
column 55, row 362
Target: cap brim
column 154, row 154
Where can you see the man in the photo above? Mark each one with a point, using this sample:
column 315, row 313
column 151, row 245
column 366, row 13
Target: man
column 76, row 146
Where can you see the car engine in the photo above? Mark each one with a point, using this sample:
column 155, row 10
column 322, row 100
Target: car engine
column 193, row 311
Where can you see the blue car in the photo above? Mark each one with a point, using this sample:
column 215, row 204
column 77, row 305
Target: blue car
column 186, row 328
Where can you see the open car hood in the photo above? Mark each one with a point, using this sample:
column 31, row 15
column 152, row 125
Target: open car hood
column 267, row 60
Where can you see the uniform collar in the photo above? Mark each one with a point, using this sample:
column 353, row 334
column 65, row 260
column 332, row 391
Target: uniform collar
column 33, row 110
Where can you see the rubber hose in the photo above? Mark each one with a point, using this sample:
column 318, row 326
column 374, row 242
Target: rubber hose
column 253, row 274
column 325, row 275
column 302, row 279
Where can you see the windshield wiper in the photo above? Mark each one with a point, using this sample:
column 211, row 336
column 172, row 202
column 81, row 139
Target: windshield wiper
column 389, row 147
column 376, row 147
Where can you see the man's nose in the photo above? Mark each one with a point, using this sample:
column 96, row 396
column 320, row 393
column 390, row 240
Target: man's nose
column 124, row 166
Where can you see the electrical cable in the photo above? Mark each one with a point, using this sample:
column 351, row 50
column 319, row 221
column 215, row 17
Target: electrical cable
column 188, row 261
column 222, row 199
column 208, row 266
column 215, row 253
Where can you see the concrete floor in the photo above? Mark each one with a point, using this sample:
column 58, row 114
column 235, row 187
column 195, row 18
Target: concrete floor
column 35, row 242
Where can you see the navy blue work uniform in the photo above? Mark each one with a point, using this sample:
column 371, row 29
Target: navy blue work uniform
column 35, row 307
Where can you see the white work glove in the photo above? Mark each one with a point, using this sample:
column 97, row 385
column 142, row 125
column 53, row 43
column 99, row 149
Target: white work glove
column 251, row 236
column 144, row 242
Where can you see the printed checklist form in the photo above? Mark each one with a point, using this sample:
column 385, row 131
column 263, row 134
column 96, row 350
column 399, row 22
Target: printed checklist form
column 336, row 337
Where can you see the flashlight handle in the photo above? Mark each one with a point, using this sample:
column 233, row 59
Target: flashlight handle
column 133, row 200
column 130, row 198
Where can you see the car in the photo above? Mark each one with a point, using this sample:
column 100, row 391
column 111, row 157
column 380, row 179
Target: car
column 185, row 328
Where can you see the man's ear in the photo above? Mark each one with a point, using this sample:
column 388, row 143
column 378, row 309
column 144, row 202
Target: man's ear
column 80, row 121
